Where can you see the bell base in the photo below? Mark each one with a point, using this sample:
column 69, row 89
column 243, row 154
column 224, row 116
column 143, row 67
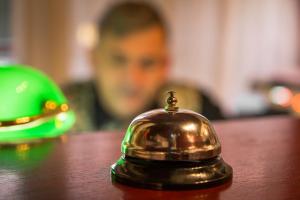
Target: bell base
column 168, row 175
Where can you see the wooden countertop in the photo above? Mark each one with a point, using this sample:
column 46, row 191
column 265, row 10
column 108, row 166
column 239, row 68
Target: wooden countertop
column 264, row 154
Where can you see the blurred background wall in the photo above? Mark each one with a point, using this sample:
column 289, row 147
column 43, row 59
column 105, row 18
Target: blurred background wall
column 220, row 45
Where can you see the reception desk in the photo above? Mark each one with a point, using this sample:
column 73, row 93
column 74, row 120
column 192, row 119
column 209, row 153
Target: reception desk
column 264, row 154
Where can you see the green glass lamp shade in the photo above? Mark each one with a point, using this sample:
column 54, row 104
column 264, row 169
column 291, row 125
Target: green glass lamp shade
column 32, row 107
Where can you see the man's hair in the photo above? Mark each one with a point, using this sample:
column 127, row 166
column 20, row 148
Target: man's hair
column 128, row 17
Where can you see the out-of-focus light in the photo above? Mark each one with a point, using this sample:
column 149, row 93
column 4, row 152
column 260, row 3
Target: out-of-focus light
column 86, row 35
column 64, row 107
column 189, row 127
column 22, row 87
column 50, row 105
column 60, row 118
column 280, row 95
column 63, row 138
column 22, row 147
column 296, row 103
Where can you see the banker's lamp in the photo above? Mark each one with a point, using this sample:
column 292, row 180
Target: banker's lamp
column 32, row 107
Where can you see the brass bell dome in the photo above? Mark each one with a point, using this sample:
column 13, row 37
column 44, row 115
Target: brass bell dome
column 171, row 148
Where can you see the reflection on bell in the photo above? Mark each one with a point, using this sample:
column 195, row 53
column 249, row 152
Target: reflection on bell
column 171, row 148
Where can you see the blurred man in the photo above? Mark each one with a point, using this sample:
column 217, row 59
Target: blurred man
column 131, row 64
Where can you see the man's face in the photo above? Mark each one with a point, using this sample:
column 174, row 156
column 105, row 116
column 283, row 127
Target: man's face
column 130, row 70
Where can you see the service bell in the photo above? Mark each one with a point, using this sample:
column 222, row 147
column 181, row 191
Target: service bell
column 171, row 148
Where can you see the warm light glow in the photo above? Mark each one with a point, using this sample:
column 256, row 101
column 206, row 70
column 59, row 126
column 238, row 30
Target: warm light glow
column 191, row 139
column 22, row 120
column 189, row 127
column 280, row 95
column 50, row 105
column 86, row 35
column 64, row 107
column 296, row 103
column 64, row 138
column 22, row 147
column 200, row 175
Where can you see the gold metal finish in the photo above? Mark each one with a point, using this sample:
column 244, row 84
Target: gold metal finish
column 171, row 102
column 50, row 109
column 171, row 148
column 171, row 134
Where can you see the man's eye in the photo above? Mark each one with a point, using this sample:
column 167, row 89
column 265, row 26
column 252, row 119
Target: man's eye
column 119, row 60
column 148, row 63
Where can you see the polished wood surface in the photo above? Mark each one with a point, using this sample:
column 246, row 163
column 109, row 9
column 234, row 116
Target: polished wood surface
column 264, row 154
